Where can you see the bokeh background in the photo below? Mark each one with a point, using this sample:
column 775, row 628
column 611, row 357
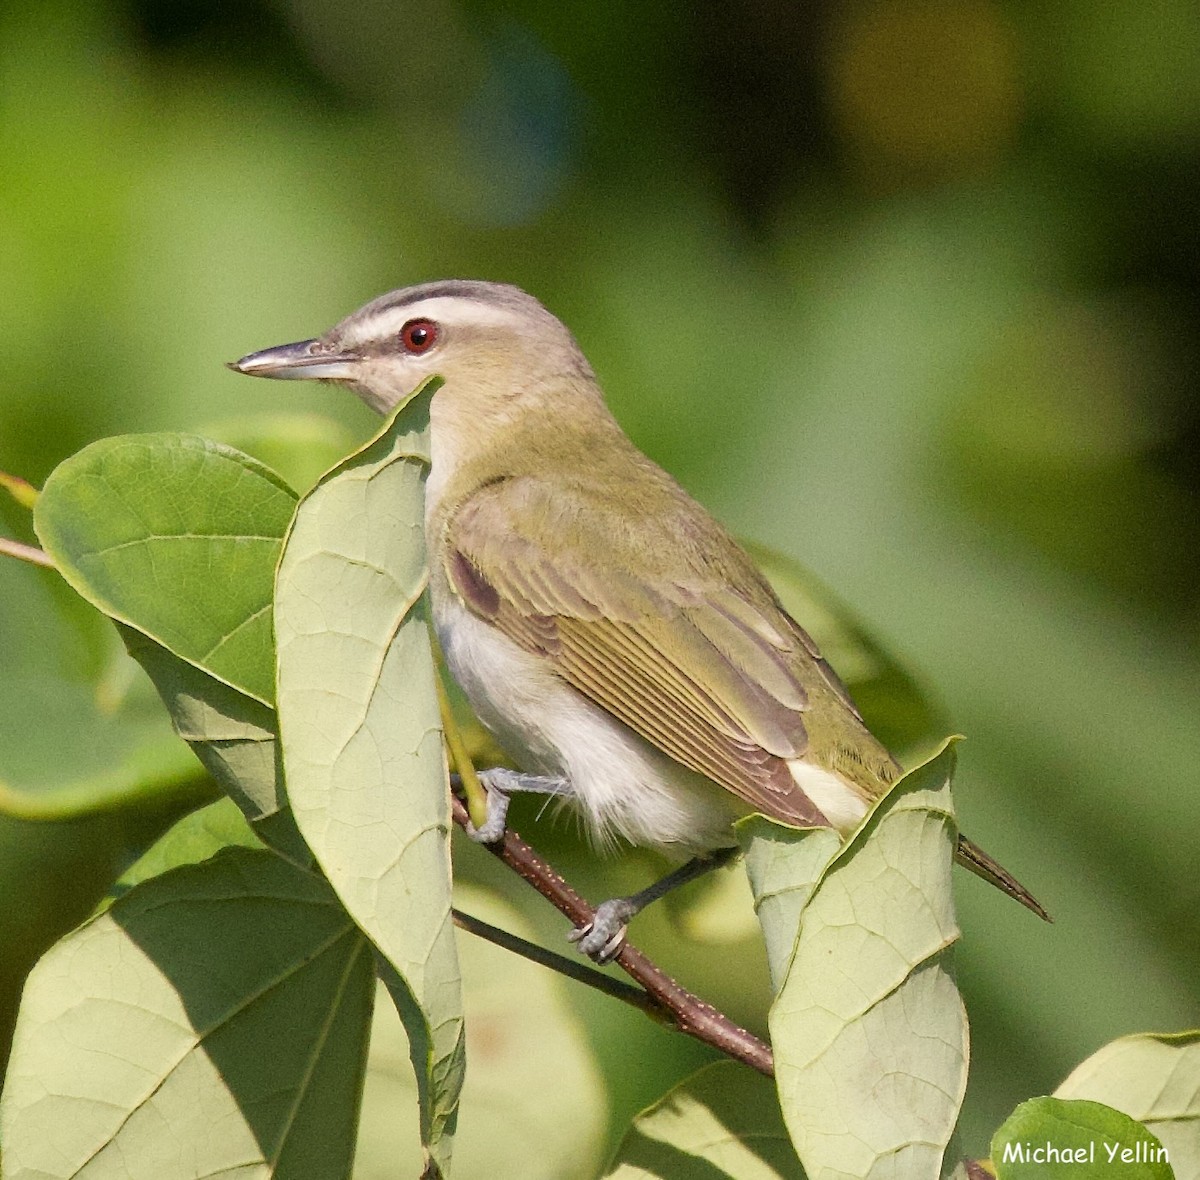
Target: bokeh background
column 907, row 289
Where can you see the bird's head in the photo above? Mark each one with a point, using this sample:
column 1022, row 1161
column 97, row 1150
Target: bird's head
column 492, row 343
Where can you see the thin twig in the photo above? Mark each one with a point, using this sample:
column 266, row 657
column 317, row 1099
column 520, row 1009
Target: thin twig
column 687, row 1012
column 572, row 968
column 29, row 553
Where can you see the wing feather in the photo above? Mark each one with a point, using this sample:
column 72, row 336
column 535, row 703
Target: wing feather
column 693, row 747
column 707, row 676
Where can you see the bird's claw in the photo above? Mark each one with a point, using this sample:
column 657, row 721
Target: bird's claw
column 492, row 830
column 604, row 936
column 500, row 784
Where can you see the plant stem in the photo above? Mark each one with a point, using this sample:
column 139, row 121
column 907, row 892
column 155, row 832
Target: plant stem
column 22, row 552
column 460, row 760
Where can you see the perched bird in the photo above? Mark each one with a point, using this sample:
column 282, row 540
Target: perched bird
column 617, row 641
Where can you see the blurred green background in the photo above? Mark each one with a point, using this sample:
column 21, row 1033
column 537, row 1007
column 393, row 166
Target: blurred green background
column 908, row 289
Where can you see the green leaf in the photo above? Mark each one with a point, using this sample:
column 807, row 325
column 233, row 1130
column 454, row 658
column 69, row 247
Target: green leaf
column 80, row 730
column 897, row 709
column 234, row 736
column 362, row 744
column 213, row 1021
column 52, row 875
column 534, row 1101
column 783, row 872
column 1154, row 1078
column 207, row 523
column 1049, row 1138
column 723, row 1122
column 868, row 1029
column 190, row 840
column 301, row 447
column 176, row 536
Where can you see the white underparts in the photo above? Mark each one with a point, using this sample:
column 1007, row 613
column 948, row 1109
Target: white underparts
column 624, row 786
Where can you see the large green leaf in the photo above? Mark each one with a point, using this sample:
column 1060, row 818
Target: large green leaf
column 534, row 1101
column 213, row 1021
column 190, row 589
column 1154, row 1078
column 783, row 872
column 362, row 744
column 80, row 730
column 178, row 537
column 233, row 735
column 723, row 1122
column 868, row 1029
column 194, row 838
column 1057, row 1139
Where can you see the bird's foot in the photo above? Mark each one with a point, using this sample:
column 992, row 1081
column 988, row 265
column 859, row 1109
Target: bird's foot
column 604, row 936
column 500, row 784
column 491, row 831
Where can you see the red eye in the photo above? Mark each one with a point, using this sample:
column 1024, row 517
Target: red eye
column 418, row 335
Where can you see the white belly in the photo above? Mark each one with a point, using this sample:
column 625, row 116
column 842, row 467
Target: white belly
column 624, row 786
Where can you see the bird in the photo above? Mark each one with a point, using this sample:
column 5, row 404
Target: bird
column 617, row 641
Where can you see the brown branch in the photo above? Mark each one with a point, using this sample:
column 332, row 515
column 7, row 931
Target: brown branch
column 674, row 1004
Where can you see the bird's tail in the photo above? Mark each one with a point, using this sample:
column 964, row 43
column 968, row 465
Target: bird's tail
column 971, row 856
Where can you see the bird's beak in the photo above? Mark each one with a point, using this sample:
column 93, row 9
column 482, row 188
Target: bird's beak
column 301, row 361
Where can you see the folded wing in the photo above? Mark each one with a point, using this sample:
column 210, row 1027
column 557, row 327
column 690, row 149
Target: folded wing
column 652, row 631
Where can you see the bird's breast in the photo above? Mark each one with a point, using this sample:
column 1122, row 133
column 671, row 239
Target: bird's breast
column 509, row 689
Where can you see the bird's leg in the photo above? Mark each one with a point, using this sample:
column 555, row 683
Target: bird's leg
column 501, row 784
column 602, row 938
